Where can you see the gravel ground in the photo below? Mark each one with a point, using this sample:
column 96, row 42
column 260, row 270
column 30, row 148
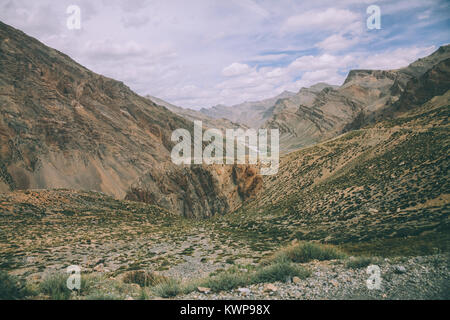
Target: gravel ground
column 401, row 278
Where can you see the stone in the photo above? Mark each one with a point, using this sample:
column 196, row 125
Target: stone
column 334, row 283
column 204, row 290
column 399, row 269
column 270, row 288
column 244, row 291
column 99, row 267
column 296, row 280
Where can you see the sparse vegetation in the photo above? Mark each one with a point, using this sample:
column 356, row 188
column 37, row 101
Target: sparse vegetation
column 226, row 281
column 55, row 286
column 307, row 251
column 11, row 288
column 168, row 289
column 280, row 271
column 359, row 262
column 143, row 278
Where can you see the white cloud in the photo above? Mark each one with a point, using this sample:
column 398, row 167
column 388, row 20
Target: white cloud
column 394, row 59
column 200, row 53
column 235, row 69
column 314, row 20
column 325, row 61
column 253, row 6
column 108, row 48
column 269, row 57
column 336, row 42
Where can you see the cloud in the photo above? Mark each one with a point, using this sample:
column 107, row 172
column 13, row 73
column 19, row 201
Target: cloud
column 235, row 69
column 135, row 20
column 269, row 57
column 336, row 42
column 394, row 59
column 201, row 53
column 321, row 62
column 108, row 49
column 314, row 20
column 253, row 6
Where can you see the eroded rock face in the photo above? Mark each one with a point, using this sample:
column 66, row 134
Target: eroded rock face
column 434, row 82
column 63, row 126
column 199, row 190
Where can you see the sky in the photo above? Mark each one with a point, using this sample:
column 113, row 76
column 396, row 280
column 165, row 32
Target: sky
column 201, row 53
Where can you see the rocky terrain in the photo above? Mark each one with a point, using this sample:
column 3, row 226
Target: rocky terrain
column 45, row 231
column 401, row 279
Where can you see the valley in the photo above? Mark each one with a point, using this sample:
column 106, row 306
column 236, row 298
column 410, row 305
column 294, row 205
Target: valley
column 86, row 179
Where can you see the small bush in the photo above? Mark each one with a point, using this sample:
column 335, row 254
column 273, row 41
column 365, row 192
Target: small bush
column 11, row 288
column 146, row 294
column 55, row 286
column 226, row 281
column 143, row 278
column 358, row 262
column 168, row 289
column 305, row 252
column 282, row 271
column 232, row 278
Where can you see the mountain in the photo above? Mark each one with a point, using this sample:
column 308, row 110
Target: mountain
column 299, row 125
column 323, row 112
column 63, row 126
column 194, row 115
column 251, row 114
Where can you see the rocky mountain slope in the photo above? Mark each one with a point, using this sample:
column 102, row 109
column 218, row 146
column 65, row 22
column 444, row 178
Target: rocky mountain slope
column 370, row 188
column 298, row 122
column 63, row 126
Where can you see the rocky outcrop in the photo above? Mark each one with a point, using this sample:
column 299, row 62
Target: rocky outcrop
column 434, row 82
column 199, row 190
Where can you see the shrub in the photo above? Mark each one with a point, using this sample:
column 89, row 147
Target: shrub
column 307, row 251
column 359, row 262
column 281, row 271
column 226, row 281
column 232, row 278
column 143, row 278
column 11, row 288
column 168, row 289
column 55, row 286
